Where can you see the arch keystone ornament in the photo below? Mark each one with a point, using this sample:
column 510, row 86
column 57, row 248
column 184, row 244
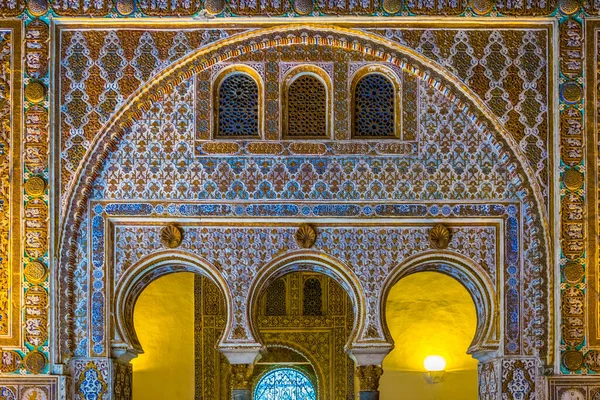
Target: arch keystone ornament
column 439, row 237
column 171, row 236
column 306, row 236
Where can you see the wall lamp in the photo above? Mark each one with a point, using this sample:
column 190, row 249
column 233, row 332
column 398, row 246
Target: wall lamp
column 435, row 366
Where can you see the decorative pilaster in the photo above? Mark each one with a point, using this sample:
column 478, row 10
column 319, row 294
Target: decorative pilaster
column 369, row 375
column 240, row 381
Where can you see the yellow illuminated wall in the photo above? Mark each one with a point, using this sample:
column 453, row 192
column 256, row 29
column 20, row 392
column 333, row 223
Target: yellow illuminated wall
column 164, row 322
column 429, row 314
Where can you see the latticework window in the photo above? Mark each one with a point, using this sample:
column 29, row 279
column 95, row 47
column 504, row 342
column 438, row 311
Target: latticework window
column 374, row 106
column 237, row 113
column 285, row 384
column 313, row 297
column 306, row 107
column 276, row 299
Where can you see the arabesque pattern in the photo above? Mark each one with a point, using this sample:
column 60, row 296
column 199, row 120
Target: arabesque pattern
column 446, row 157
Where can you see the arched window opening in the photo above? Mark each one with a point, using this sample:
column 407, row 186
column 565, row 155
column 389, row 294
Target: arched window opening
column 306, row 101
column 313, row 297
column 237, row 106
column 285, row 383
column 276, row 304
column 374, row 106
column 430, row 314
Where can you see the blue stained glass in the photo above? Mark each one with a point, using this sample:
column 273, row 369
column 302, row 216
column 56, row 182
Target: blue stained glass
column 285, row 384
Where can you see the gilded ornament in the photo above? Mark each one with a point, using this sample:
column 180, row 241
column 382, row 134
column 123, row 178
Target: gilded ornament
column 573, row 179
column 215, row 6
column 125, row 7
column 241, row 376
column 35, row 91
column 36, row 303
column 573, row 272
column 36, row 45
column 171, row 236
column 569, row 6
column 37, row 8
column 572, row 360
column 221, row 148
column 369, row 375
column 439, row 237
column 306, row 236
column 10, row 362
column 303, row 7
column 571, row 92
column 482, row 7
column 392, row 6
column 35, row 272
column 35, row 186
column 264, row 148
column 571, row 48
column 304, row 148
column 35, row 362
column 592, row 360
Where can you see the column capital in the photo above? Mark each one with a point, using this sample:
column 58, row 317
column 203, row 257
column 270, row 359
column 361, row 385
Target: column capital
column 241, row 376
column 368, row 376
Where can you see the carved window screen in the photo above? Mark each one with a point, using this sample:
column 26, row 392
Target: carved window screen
column 374, row 107
column 237, row 106
column 313, row 297
column 306, row 114
column 276, row 304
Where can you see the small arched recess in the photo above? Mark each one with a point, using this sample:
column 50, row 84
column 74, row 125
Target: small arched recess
column 307, row 103
column 376, row 104
column 237, row 103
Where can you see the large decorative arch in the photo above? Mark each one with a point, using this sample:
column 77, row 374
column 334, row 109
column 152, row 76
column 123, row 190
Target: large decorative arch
column 313, row 261
column 126, row 344
column 108, row 138
column 486, row 341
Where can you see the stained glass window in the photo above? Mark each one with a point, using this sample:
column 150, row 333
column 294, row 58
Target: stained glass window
column 285, row 384
column 374, row 106
column 238, row 106
column 307, row 107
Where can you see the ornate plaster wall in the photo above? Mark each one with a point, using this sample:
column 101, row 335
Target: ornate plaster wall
column 548, row 125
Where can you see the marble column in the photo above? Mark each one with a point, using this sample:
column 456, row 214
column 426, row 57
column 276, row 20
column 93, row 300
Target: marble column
column 241, row 383
column 368, row 376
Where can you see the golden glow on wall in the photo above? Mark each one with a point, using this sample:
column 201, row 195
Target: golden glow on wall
column 430, row 313
column 164, row 323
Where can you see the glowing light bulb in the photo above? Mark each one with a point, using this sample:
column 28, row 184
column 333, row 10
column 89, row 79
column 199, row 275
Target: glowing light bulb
column 434, row 363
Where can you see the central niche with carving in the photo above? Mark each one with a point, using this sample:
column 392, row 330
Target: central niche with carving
column 285, row 384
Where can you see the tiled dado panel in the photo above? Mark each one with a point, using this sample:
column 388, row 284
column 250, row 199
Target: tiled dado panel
column 33, row 388
column 574, row 388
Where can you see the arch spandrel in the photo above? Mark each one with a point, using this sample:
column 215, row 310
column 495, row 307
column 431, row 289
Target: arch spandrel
column 518, row 187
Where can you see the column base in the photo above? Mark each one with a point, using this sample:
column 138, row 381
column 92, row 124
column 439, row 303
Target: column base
column 368, row 395
column 240, row 394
